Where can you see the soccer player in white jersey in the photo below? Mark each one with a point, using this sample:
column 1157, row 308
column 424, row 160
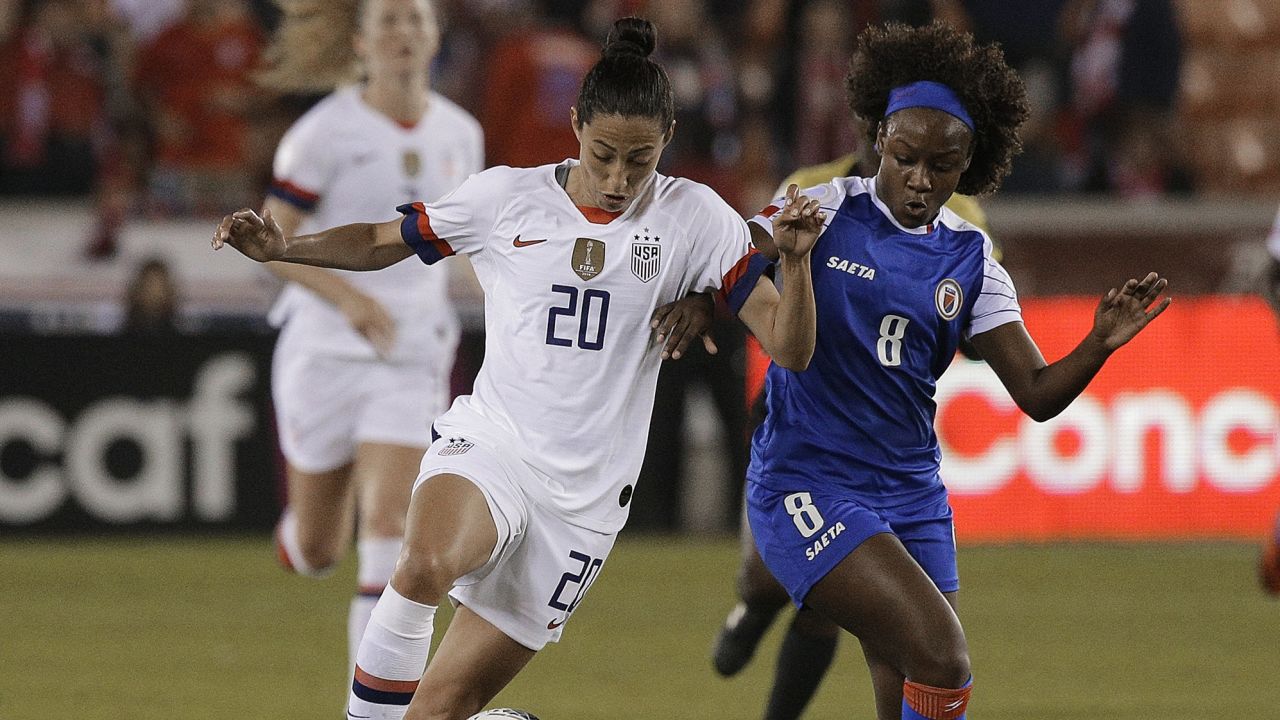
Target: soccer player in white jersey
column 844, row 496
column 1269, row 561
column 362, row 364
column 521, row 496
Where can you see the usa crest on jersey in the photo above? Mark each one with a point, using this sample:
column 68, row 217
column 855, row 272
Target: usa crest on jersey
column 948, row 298
column 646, row 260
column 457, row 446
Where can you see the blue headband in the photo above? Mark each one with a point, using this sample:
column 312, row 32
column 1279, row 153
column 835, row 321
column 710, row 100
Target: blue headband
column 927, row 93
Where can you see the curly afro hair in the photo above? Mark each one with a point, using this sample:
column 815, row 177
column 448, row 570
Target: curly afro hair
column 896, row 54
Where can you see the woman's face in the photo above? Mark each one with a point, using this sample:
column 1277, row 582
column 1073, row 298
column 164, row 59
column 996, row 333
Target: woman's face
column 923, row 153
column 618, row 155
column 397, row 37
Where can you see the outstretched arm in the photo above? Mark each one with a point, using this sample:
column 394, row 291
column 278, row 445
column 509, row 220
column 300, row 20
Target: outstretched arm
column 786, row 325
column 366, row 315
column 1043, row 390
column 360, row 246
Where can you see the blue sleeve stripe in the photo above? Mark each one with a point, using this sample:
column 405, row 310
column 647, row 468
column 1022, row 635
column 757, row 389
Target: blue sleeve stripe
column 741, row 280
column 415, row 230
column 293, row 195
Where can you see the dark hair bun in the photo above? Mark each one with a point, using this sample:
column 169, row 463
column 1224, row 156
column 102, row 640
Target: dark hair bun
column 631, row 36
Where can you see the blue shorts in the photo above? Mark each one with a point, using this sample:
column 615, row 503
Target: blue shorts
column 803, row 535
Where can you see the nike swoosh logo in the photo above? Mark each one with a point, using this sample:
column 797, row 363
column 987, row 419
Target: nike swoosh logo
column 555, row 624
column 526, row 243
column 353, row 715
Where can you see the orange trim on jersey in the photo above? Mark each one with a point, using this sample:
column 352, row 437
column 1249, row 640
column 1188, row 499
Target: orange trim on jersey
column 381, row 685
column 736, row 272
column 424, row 229
column 757, row 367
column 769, row 211
column 407, row 125
column 598, row 216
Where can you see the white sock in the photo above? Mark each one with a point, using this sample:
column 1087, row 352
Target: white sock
column 377, row 558
column 391, row 658
column 291, row 551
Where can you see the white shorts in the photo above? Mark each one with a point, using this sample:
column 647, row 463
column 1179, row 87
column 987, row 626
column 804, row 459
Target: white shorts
column 325, row 406
column 541, row 566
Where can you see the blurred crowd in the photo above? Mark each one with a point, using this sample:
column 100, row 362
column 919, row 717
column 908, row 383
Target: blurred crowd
column 150, row 107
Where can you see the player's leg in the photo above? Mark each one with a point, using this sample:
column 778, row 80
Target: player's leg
column 760, row 597
column 450, row 532
column 473, row 663
column 384, row 475
column 1269, row 562
column 315, row 528
column 886, row 680
column 879, row 593
column 315, row 398
column 807, row 651
column 393, row 431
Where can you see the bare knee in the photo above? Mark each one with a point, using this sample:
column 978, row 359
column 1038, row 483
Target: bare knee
column 423, row 574
column 321, row 553
column 943, row 663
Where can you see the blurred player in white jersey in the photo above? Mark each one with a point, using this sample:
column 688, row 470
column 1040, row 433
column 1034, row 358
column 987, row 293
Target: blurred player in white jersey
column 521, row 496
column 1269, row 563
column 363, row 361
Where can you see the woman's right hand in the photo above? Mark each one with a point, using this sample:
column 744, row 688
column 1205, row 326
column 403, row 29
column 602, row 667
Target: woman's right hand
column 258, row 238
column 369, row 318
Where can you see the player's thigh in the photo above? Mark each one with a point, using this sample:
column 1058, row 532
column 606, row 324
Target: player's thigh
column 323, row 505
column 384, row 476
column 472, row 664
column 393, row 429
column 755, row 584
column 879, row 593
column 464, row 512
column 532, row 590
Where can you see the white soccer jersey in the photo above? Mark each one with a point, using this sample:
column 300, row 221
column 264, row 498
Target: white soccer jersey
column 570, row 361
column 1273, row 240
column 344, row 162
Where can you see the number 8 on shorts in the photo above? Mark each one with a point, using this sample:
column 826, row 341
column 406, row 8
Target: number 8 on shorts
column 803, row 513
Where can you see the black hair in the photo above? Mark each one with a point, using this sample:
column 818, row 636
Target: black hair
column 624, row 81
column 895, row 54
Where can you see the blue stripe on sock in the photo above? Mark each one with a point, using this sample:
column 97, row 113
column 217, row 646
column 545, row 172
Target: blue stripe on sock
column 380, row 697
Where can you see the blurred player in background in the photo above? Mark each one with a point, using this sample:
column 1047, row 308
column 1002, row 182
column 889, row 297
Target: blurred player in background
column 1269, row 563
column 809, row 647
column 844, row 497
column 363, row 361
column 520, row 498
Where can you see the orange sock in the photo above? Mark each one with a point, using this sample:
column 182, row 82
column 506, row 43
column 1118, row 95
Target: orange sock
column 922, row 702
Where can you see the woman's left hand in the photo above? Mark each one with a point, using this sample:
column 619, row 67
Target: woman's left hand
column 679, row 322
column 797, row 226
column 1124, row 312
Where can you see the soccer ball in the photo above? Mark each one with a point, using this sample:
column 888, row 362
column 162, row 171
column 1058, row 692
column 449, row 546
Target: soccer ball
column 503, row 714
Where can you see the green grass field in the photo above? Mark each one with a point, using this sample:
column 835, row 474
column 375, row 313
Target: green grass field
column 169, row 629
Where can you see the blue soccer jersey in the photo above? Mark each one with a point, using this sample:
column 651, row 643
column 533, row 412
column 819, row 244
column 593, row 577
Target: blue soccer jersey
column 892, row 305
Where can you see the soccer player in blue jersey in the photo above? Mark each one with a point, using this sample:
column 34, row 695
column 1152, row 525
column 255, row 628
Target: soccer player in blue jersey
column 844, row 495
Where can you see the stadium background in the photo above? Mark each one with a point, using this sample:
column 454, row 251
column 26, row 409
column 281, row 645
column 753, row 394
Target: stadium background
column 1107, row 556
